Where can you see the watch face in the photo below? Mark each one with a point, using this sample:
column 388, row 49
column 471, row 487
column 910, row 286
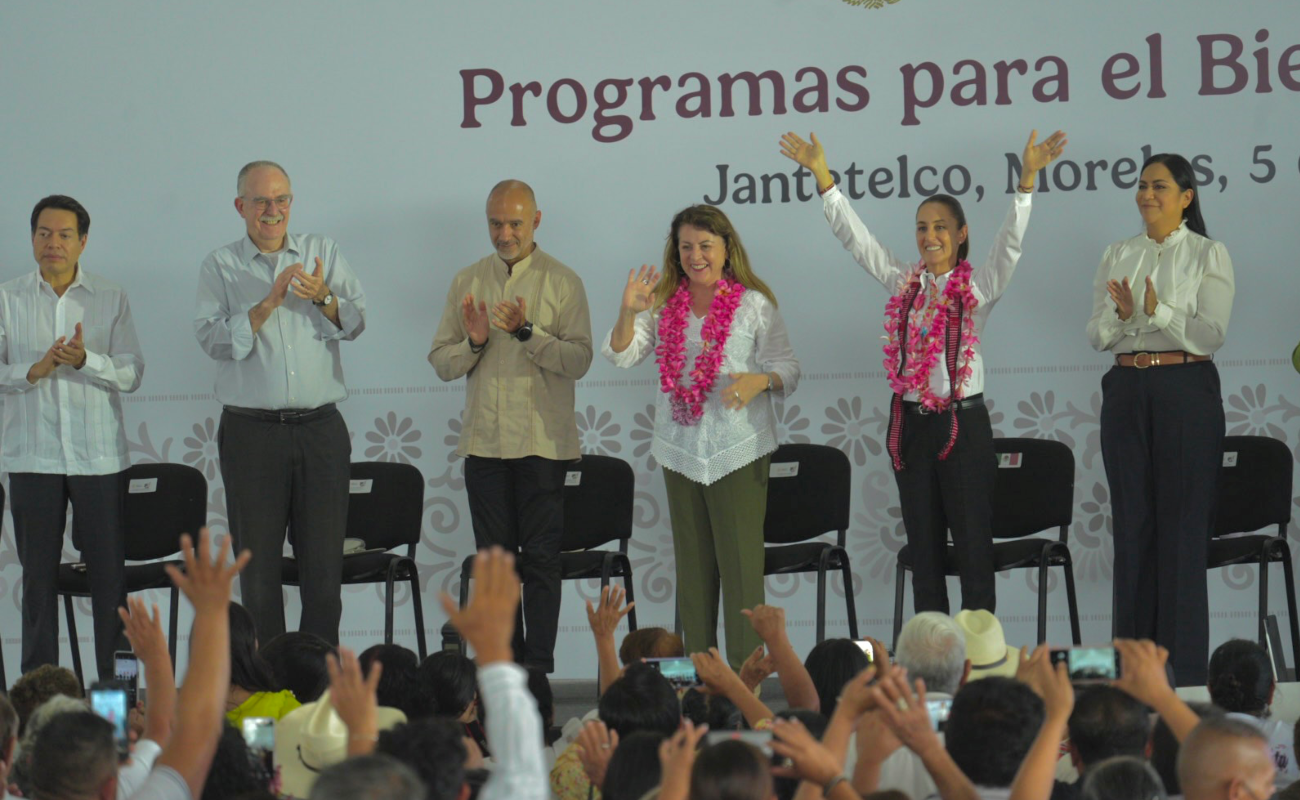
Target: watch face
column 524, row 333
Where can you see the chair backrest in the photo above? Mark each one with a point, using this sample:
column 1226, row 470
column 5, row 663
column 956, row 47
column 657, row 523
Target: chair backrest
column 599, row 493
column 1034, row 487
column 385, row 503
column 162, row 502
column 1254, row 485
column 808, row 493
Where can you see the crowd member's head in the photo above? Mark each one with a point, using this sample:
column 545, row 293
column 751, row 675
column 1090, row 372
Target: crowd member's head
column 399, row 687
column 714, row 710
column 986, row 645
column 1226, row 759
column 453, row 681
column 57, row 706
column 1106, row 723
column 702, row 248
column 434, row 748
column 374, row 777
column 991, row 727
column 513, row 219
column 640, row 700
column 74, row 758
column 248, row 670
column 650, row 643
column 8, row 738
column 1122, row 778
column 297, row 661
column 634, row 768
column 831, row 664
column 731, row 770
column 1164, row 747
column 931, row 646
column 263, row 200
column 32, row 690
column 236, row 771
column 539, row 684
column 816, row 723
column 1241, row 678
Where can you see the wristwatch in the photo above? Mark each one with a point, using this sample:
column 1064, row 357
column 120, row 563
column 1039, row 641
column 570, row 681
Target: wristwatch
column 329, row 298
column 524, row 332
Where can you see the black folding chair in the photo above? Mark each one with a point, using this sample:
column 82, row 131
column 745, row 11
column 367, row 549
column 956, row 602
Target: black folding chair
column 599, row 492
column 1255, row 493
column 808, row 494
column 1034, row 492
column 385, row 510
column 162, row 502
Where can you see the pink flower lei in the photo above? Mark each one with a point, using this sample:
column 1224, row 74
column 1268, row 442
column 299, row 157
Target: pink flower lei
column 927, row 337
column 688, row 401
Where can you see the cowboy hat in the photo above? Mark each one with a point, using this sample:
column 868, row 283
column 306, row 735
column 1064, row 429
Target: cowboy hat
column 313, row 737
column 986, row 646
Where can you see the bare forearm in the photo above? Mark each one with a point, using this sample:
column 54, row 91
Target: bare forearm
column 160, row 711
column 331, row 312
column 624, row 331
column 753, row 709
column 202, row 700
column 1177, row 715
column 607, row 658
column 951, row 782
column 795, row 680
column 1038, row 771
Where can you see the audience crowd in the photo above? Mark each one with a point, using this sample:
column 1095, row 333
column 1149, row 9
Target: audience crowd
column 953, row 714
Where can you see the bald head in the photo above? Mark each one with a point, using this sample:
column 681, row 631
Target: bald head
column 512, row 220
column 1226, row 759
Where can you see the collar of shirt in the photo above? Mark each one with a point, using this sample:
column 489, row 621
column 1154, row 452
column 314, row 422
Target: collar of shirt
column 520, row 265
column 1174, row 237
column 45, row 286
column 249, row 251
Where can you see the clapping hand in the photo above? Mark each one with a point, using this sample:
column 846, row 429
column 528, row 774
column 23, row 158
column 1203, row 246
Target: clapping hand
column 475, row 318
column 72, row 352
column 1150, row 300
column 310, row 286
column 1122, row 295
column 509, row 316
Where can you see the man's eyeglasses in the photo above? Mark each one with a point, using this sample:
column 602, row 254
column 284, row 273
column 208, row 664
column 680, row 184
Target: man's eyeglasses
column 263, row 203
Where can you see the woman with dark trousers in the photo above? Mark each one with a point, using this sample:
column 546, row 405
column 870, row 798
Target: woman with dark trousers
column 1161, row 302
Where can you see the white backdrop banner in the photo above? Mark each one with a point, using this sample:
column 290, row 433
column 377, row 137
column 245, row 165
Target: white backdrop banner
column 395, row 118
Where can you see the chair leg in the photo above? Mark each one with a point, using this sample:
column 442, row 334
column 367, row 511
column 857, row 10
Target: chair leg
column 1288, row 577
column 900, row 575
column 173, row 617
column 1043, row 561
column 72, row 640
column 388, row 603
column 821, row 601
column 1071, row 600
column 850, row 604
column 627, row 589
column 417, row 605
column 1263, row 594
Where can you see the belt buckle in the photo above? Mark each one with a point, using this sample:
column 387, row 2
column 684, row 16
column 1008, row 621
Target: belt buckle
column 284, row 416
column 1151, row 359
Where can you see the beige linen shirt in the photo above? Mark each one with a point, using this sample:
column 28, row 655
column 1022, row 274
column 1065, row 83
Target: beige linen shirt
column 518, row 395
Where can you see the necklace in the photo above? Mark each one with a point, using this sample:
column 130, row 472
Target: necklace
column 909, row 373
column 688, row 401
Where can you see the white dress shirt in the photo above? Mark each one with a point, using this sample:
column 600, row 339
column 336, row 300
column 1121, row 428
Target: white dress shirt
column 988, row 282
column 292, row 362
column 1193, row 281
column 514, row 734
column 723, row 440
column 69, row 423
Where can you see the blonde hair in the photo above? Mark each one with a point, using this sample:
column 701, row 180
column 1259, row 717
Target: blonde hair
column 711, row 219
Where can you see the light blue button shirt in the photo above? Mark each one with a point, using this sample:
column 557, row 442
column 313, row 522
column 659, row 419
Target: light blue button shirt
column 293, row 359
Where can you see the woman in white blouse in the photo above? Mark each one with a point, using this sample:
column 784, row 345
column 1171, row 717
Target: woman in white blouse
column 1161, row 302
column 940, row 440
column 722, row 351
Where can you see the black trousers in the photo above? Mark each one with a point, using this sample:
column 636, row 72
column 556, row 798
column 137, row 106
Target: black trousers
column 518, row 504
column 955, row 494
column 39, row 503
column 1162, row 443
column 288, row 476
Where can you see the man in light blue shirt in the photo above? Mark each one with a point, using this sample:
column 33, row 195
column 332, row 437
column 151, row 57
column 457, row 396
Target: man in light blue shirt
column 271, row 310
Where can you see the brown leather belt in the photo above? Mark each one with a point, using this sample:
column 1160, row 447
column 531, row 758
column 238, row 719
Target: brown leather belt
column 1160, row 359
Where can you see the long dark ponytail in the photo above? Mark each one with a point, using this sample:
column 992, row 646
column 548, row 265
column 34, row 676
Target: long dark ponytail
column 1185, row 177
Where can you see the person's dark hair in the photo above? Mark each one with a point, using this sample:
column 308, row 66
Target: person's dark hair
column 831, row 664
column 714, row 710
column 731, row 770
column 815, row 722
column 991, row 727
column 1185, row 177
column 248, row 670
column 641, row 700
column 452, row 679
column 539, row 684
column 375, row 777
column 63, row 203
column 958, row 213
column 434, row 748
column 1164, row 747
column 1122, row 778
column 634, row 769
column 8, row 722
column 399, row 687
column 1107, row 722
column 73, row 756
column 297, row 661
column 650, row 643
column 1241, row 677
column 31, row 690
column 235, row 770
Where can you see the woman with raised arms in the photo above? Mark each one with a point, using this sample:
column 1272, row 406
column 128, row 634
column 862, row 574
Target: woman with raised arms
column 1162, row 422
column 940, row 441
column 722, row 351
